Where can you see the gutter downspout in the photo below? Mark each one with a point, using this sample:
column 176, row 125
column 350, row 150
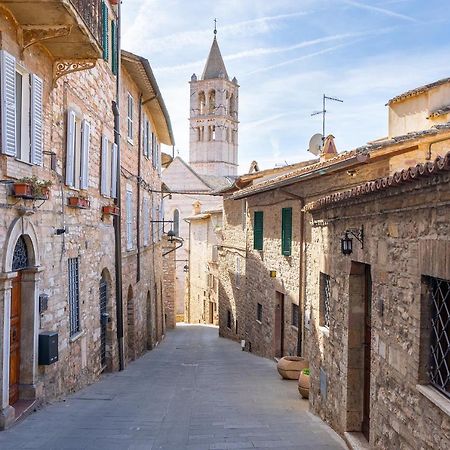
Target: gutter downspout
column 118, row 219
column 188, row 294
column 301, row 291
column 138, row 212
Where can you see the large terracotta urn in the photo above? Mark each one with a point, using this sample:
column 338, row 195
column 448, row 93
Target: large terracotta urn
column 289, row 367
column 304, row 383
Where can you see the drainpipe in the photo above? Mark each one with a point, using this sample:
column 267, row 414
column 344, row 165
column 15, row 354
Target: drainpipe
column 118, row 219
column 138, row 212
column 301, row 296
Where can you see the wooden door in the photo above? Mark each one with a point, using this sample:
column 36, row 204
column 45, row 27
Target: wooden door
column 367, row 352
column 279, row 325
column 14, row 349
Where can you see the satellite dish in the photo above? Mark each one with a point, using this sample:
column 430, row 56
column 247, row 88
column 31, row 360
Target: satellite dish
column 315, row 144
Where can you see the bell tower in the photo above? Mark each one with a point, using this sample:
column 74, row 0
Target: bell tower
column 213, row 143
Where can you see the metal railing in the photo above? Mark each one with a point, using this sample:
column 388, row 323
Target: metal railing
column 91, row 13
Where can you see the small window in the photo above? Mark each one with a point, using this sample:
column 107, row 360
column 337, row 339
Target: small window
column 325, row 300
column 259, row 312
column 176, row 222
column 74, row 295
column 286, row 231
column 258, row 230
column 229, row 319
column 439, row 333
column 295, row 315
column 130, row 117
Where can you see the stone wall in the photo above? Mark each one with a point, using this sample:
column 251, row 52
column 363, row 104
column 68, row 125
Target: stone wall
column 169, row 282
column 406, row 232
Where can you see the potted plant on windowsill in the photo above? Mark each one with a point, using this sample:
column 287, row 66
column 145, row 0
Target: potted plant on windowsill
column 32, row 188
column 111, row 210
column 79, row 201
column 304, row 383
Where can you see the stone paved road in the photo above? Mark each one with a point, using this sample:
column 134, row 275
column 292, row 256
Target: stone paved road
column 195, row 391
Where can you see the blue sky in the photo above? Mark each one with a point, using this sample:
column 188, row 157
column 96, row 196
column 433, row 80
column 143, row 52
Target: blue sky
column 286, row 54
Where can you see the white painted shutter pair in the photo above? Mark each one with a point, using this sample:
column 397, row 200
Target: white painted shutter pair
column 106, row 189
column 70, row 151
column 129, row 205
column 146, row 213
column 8, row 110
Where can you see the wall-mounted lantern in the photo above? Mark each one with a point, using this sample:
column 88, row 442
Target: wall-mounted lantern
column 347, row 241
column 171, row 235
column 186, row 268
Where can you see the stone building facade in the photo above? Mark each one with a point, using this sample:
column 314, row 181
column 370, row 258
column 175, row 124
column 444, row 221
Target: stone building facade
column 58, row 262
column 213, row 157
column 378, row 337
column 203, row 281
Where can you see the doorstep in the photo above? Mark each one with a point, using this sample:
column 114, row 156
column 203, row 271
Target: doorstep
column 356, row 441
column 22, row 409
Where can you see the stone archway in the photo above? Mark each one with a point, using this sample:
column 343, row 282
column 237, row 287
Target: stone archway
column 19, row 316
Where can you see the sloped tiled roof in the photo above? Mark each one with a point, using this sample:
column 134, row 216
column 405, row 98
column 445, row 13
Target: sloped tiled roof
column 439, row 165
column 418, row 90
column 214, row 67
column 439, row 112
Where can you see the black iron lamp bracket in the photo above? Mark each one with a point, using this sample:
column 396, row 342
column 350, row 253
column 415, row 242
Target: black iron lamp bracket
column 358, row 234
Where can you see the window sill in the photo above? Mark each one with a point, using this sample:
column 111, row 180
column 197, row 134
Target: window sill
column 324, row 330
column 435, row 397
column 77, row 336
column 27, row 163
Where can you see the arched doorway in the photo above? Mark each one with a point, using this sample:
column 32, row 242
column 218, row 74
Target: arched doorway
column 130, row 325
column 19, row 263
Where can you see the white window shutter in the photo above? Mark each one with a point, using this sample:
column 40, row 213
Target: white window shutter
column 114, row 155
column 8, row 103
column 104, row 168
column 85, row 144
column 144, row 137
column 146, row 220
column 129, row 205
column 70, row 150
column 154, row 224
column 37, row 119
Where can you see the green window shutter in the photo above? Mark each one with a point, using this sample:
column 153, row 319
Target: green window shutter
column 105, row 22
column 258, row 230
column 286, row 231
column 114, row 47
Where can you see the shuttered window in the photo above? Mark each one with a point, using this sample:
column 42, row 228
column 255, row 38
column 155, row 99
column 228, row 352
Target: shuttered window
column 8, row 103
column 130, row 117
column 154, row 224
column 153, row 150
column 129, row 216
column 105, row 26
column 286, row 231
column 36, row 122
column 85, row 144
column 258, row 230
column 74, row 295
column 114, row 167
column 146, row 213
column 108, row 179
column 114, row 55
column 70, row 148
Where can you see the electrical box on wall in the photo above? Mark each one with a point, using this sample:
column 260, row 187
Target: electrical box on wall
column 48, row 348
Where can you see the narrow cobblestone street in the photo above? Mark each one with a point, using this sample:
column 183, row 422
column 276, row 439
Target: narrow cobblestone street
column 195, row 391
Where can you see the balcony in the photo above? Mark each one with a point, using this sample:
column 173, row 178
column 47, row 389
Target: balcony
column 69, row 29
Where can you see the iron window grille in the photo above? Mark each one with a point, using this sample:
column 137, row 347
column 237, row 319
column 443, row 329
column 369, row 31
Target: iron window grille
column 439, row 368
column 259, row 312
column 294, row 315
column 20, row 257
column 325, row 300
column 103, row 316
column 74, row 296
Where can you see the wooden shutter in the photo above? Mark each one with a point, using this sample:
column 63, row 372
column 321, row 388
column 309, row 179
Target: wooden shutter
column 36, row 131
column 114, row 58
column 70, row 148
column 129, row 205
column 145, row 137
column 85, row 144
column 104, row 167
column 146, row 220
column 258, row 230
column 8, row 103
column 153, row 150
column 105, row 26
column 114, row 163
column 286, row 231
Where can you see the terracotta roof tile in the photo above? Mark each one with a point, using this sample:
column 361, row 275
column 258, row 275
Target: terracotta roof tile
column 418, row 90
column 441, row 164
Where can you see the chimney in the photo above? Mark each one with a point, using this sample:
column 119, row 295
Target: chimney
column 329, row 149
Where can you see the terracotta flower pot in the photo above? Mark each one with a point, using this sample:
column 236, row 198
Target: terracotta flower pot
column 112, row 210
column 79, row 202
column 289, row 367
column 22, row 190
column 303, row 385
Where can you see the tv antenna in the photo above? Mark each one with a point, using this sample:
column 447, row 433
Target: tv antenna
column 324, row 111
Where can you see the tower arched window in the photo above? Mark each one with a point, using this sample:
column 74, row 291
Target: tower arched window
column 176, row 222
column 199, row 134
column 232, row 105
column 202, row 102
column 212, row 101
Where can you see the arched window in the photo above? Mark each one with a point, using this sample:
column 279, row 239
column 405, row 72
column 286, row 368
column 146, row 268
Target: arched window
column 201, row 102
column 20, row 257
column 176, row 222
column 199, row 134
column 232, row 105
column 212, row 101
